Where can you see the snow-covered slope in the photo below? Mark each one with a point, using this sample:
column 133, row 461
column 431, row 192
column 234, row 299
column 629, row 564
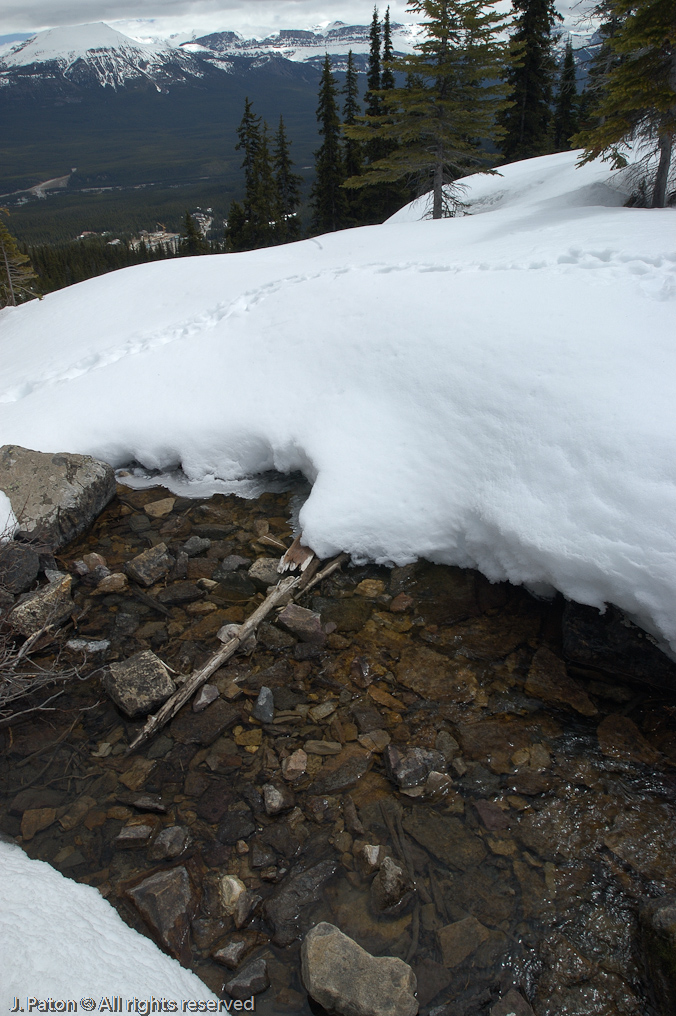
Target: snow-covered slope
column 62, row 940
column 494, row 390
column 100, row 53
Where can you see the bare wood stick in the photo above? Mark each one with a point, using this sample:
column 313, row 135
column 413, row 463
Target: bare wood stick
column 330, row 568
column 196, row 680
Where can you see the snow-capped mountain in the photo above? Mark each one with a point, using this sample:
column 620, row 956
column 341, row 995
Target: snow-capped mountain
column 96, row 54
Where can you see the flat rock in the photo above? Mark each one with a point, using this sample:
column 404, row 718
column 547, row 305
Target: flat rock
column 620, row 738
column 140, row 684
column 233, row 586
column 263, row 572
column 238, row 824
column 282, row 910
column 460, row 939
column 204, row 727
column 151, row 565
column 178, row 593
column 51, row 604
column 303, row 623
column 446, row 837
column 548, row 680
column 343, row 771
column 434, row 676
column 55, row 497
column 19, row 566
column 167, row 901
column 348, row 613
column 251, row 980
column 169, row 843
column 347, row 980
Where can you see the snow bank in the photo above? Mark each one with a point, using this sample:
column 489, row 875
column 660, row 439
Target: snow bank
column 493, row 391
column 61, row 939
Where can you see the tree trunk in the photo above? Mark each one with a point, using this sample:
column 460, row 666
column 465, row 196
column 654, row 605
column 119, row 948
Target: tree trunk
column 662, row 178
column 438, row 203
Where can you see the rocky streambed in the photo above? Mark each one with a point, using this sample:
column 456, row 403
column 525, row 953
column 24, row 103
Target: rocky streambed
column 455, row 774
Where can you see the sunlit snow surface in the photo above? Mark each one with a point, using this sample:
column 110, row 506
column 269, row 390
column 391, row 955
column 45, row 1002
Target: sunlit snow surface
column 493, row 390
column 62, row 939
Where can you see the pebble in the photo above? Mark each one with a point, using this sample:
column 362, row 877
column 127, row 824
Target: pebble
column 277, row 798
column 264, row 706
column 195, row 545
column 207, row 694
column 294, row 766
column 251, row 980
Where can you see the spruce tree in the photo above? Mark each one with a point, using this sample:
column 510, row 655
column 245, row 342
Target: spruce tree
column 387, row 77
column 448, row 106
column 530, row 78
column 353, row 154
column 566, row 113
column 638, row 101
column 287, row 190
column 192, row 242
column 17, row 277
column 372, row 99
column 328, row 198
column 261, row 199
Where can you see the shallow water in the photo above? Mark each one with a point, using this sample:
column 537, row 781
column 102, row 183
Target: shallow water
column 558, row 821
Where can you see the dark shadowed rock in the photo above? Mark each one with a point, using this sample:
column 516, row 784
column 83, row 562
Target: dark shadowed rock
column 411, row 767
column 512, row 1004
column 179, row 593
column 204, row 727
column 345, row 979
column 611, row 642
column 548, row 680
column 19, row 566
column 233, row 587
column 169, row 843
column 55, row 497
column 238, row 824
column 343, row 771
column 657, row 921
column 391, row 888
column 232, row 952
column 264, row 706
column 140, row 684
column 167, row 902
column 303, row 623
column 282, row 910
column 445, row 837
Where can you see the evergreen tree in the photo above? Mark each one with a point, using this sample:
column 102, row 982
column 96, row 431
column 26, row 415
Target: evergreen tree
column 387, row 77
column 192, row 242
column 352, row 150
column 251, row 224
column 530, row 78
column 17, row 277
column 287, row 190
column 448, row 106
column 567, row 111
column 638, row 103
column 372, row 99
column 328, row 198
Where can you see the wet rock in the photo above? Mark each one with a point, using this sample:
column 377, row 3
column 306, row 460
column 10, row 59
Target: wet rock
column 167, row 901
column 447, row 745
column 294, row 766
column 251, row 980
column 114, row 583
column 238, row 824
column 235, row 949
column 195, row 545
column 434, row 676
column 460, row 939
column 160, row 509
column 345, row 979
column 263, row 572
column 323, row 747
column 278, row 798
column 548, row 680
column 411, row 767
column 304, row 624
column 283, row 908
column 370, row 856
column 134, row 835
column 246, row 905
column 169, row 843
column 43, row 797
column 366, row 716
column 274, row 638
column 348, row 614
column 51, row 604
column 19, row 566
column 6, row 600
column 233, row 586
column 151, row 565
column 261, row 855
column 214, row 801
column 370, row 588
column 343, row 771
column 620, row 738
column 264, row 706
column 207, row 694
column 283, row 840
column 204, row 727
column 178, row 593
column 54, row 496
column 391, row 888
column 492, row 816
column 401, row 603
column 446, row 837
column 512, row 1004
column 230, row 888
column 657, row 923
column 34, row 820
column 140, row 684
column 611, row 642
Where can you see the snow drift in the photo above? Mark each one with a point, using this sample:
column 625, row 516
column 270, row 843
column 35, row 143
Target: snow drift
column 492, row 391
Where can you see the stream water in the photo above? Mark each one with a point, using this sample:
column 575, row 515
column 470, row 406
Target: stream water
column 529, row 863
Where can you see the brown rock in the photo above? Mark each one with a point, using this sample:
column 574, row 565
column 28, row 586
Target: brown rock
column 151, row 565
column 445, row 837
column 159, row 509
column 35, row 820
column 343, row 771
column 204, row 727
column 305, row 624
column 434, row 676
column 619, row 737
column 548, row 680
column 167, row 902
column 460, row 939
column 140, row 684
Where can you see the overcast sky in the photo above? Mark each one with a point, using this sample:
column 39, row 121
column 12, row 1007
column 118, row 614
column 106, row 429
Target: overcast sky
column 162, row 18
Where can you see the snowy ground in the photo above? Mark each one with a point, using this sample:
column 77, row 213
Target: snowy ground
column 61, row 940
column 493, row 391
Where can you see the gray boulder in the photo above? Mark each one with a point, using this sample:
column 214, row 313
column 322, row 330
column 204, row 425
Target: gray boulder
column 140, row 684
column 51, row 604
column 346, row 980
column 55, row 497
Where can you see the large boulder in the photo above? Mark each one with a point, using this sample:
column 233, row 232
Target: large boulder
column 348, row 981
column 55, row 497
